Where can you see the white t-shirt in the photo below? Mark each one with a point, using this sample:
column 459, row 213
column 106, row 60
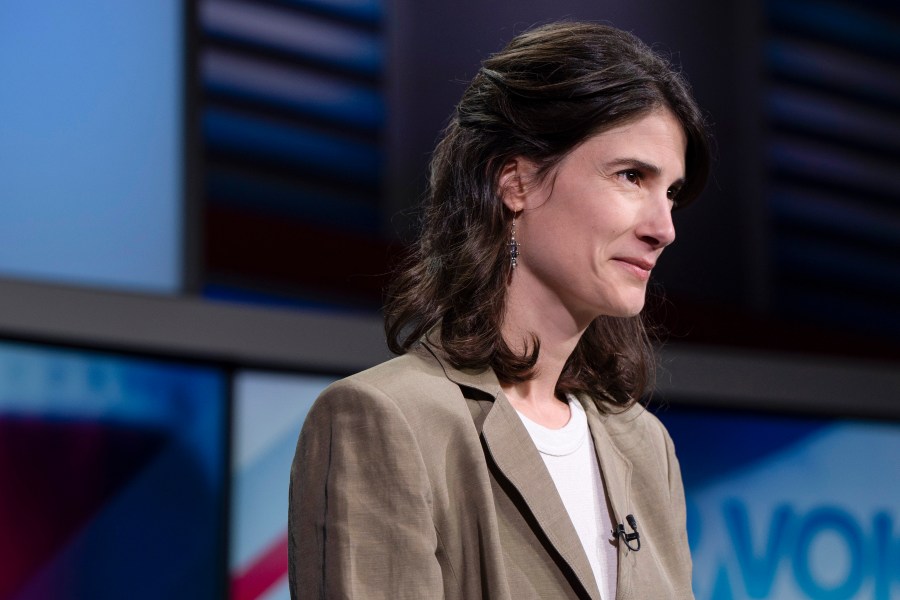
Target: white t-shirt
column 571, row 459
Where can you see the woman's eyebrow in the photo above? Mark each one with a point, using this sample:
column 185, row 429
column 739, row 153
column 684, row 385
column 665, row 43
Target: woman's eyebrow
column 636, row 163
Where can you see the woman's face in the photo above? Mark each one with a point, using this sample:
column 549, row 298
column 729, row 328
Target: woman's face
column 593, row 229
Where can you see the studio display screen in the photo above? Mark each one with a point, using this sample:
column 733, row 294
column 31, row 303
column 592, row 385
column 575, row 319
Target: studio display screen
column 790, row 508
column 112, row 476
column 269, row 410
column 91, row 142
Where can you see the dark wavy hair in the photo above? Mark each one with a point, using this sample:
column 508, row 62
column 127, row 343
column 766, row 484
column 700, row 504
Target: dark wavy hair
column 546, row 92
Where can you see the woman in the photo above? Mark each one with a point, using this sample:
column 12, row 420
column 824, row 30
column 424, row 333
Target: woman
column 503, row 454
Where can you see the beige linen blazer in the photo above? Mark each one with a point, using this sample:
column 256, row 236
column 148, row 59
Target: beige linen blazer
column 414, row 480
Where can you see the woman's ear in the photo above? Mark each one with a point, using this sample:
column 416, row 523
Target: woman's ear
column 512, row 183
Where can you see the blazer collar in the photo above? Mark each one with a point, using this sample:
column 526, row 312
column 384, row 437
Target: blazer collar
column 484, row 380
column 515, row 455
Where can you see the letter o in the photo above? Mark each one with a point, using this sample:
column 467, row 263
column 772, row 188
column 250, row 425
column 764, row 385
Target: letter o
column 843, row 524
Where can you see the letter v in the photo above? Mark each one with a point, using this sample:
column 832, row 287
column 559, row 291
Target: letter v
column 757, row 571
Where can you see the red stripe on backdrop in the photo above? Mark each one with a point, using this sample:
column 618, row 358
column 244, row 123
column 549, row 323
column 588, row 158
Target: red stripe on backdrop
column 268, row 569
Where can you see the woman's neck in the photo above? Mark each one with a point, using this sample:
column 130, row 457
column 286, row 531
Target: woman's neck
column 536, row 398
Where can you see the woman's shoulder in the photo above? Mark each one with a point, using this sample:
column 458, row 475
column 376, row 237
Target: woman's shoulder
column 636, row 425
column 412, row 385
column 415, row 370
column 635, row 416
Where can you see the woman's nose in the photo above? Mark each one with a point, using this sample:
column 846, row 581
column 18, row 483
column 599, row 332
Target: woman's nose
column 656, row 227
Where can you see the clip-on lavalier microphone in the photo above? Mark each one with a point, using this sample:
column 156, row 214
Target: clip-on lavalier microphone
column 629, row 537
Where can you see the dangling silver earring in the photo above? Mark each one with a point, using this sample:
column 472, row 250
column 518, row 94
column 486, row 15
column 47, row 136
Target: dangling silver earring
column 513, row 244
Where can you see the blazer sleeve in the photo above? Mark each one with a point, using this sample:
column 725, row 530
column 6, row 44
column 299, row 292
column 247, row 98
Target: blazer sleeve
column 360, row 509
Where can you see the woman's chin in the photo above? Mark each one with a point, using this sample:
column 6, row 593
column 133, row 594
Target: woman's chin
column 624, row 309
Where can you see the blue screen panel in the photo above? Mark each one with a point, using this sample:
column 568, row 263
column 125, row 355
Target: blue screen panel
column 91, row 142
column 269, row 410
column 112, row 475
column 789, row 508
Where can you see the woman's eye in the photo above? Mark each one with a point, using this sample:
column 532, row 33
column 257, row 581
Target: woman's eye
column 631, row 176
column 672, row 194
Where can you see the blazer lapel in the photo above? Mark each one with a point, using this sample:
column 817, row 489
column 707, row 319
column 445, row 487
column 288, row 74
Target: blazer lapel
column 515, row 455
column 616, row 471
column 517, row 458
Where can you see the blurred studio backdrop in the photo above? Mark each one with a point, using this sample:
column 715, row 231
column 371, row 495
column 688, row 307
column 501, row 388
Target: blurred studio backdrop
column 199, row 203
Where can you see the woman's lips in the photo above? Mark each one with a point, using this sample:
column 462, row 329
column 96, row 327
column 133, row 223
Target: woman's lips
column 638, row 267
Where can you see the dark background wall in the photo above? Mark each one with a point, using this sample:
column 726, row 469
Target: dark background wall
column 780, row 252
